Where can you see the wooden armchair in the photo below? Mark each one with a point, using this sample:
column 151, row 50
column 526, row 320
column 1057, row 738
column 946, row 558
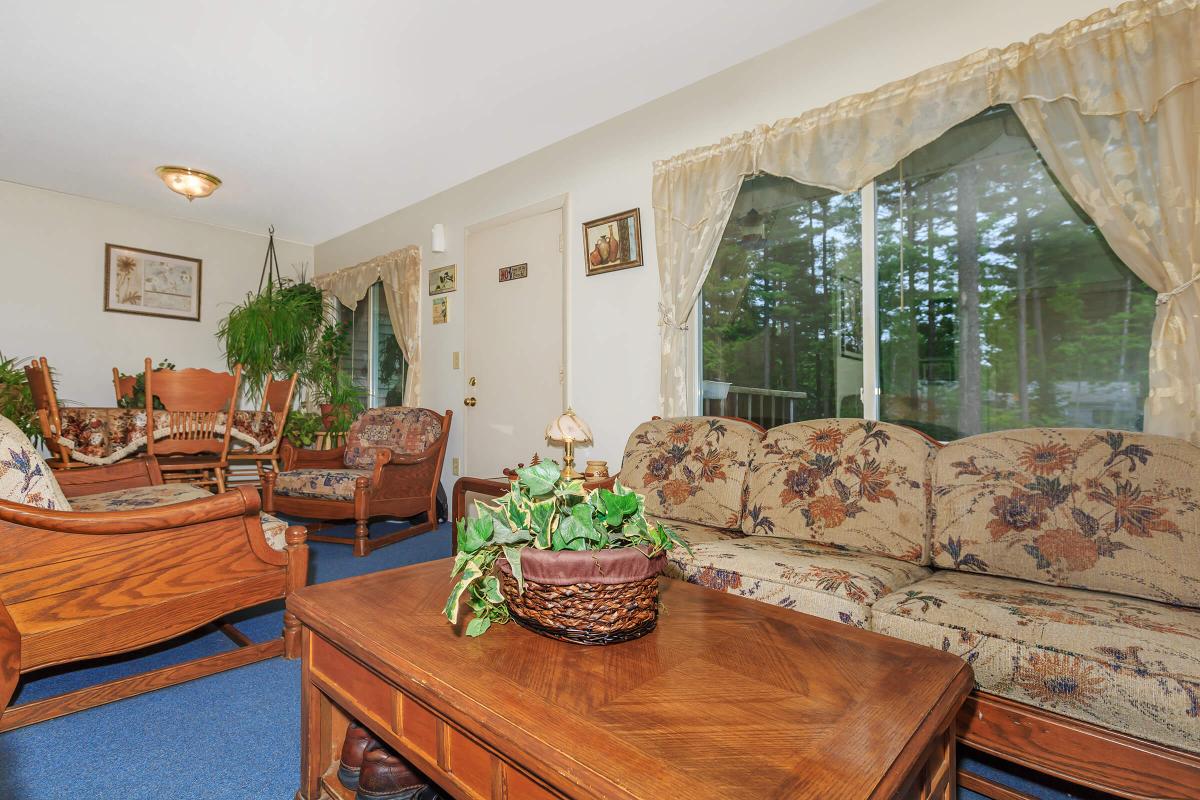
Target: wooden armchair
column 45, row 401
column 10, row 657
column 83, row 584
column 197, row 403
column 277, row 401
column 391, row 465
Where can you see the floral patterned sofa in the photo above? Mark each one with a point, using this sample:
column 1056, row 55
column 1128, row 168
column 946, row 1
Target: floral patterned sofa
column 1063, row 564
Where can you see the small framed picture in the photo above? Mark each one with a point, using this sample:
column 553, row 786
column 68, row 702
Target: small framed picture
column 443, row 280
column 613, row 242
column 441, row 310
column 151, row 283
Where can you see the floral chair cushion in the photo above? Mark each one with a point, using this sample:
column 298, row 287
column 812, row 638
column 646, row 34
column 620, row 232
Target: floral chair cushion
column 24, row 475
column 1126, row 664
column 691, row 468
column 1103, row 510
column 847, row 482
column 169, row 494
column 402, row 430
column 320, row 484
column 819, row 579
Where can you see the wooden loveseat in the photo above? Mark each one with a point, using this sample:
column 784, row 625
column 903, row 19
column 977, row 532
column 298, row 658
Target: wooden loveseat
column 107, row 560
column 1063, row 564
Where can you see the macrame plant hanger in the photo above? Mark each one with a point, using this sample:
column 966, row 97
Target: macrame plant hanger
column 270, row 265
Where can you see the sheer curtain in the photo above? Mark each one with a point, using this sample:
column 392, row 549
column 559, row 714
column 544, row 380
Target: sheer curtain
column 400, row 272
column 1110, row 102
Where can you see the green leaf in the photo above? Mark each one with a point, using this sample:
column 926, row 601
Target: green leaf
column 470, row 574
column 491, row 589
column 541, row 517
column 505, row 536
column 513, row 554
column 539, row 478
column 460, row 560
column 474, row 534
column 478, row 626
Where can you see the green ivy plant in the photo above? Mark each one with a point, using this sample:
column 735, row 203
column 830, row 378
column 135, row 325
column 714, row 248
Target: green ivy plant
column 547, row 511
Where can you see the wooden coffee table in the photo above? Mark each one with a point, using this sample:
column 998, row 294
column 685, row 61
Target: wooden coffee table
column 727, row 698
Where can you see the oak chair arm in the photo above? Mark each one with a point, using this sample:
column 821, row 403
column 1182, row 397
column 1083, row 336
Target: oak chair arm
column 129, row 474
column 244, row 501
column 10, row 657
column 301, row 458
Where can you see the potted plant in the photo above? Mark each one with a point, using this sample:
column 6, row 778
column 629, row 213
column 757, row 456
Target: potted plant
column 137, row 400
column 276, row 332
column 573, row 565
column 16, row 401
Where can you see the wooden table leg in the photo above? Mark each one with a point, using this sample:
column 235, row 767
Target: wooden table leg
column 314, row 724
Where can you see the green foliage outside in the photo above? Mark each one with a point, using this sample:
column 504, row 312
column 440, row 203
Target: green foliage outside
column 546, row 511
column 1008, row 310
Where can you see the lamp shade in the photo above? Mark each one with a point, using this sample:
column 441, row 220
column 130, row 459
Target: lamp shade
column 567, row 427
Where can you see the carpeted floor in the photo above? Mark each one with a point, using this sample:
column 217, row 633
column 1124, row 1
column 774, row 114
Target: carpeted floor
column 225, row 737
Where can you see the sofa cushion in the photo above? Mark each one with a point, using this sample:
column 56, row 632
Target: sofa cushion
column 1103, row 510
column 406, row 431
column 848, row 482
column 169, row 494
column 822, row 580
column 320, row 484
column 693, row 533
column 24, row 475
column 691, row 468
column 1127, row 664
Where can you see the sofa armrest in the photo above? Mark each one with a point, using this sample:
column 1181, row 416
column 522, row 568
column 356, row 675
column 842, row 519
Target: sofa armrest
column 129, row 474
column 244, row 501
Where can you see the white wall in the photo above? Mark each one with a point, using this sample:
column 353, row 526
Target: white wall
column 52, row 287
column 613, row 317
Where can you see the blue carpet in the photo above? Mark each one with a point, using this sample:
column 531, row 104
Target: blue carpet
column 231, row 735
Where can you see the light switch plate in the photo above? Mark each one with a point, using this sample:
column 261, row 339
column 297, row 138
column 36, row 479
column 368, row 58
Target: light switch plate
column 454, row 360
column 454, row 462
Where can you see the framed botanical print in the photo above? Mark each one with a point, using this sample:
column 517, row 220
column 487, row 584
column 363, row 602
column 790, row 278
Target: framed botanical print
column 150, row 283
column 613, row 242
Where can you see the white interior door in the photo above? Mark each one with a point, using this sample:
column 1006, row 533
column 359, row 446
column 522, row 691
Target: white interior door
column 514, row 341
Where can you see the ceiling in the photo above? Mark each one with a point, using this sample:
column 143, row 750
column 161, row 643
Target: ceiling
column 322, row 116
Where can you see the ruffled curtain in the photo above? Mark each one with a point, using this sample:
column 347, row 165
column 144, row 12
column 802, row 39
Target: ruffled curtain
column 1110, row 102
column 1115, row 112
column 400, row 272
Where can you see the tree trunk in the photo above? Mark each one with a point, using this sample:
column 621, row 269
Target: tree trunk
column 970, row 374
column 1023, row 257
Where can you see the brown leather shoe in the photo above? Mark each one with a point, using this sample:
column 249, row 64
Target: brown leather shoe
column 386, row 776
column 358, row 741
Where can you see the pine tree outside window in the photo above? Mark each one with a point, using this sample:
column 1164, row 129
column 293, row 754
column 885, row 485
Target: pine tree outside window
column 993, row 302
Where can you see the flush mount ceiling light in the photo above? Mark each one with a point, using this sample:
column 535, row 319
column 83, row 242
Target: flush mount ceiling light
column 191, row 183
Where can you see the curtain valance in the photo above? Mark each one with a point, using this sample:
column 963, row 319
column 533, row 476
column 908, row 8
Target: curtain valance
column 400, row 273
column 1090, row 90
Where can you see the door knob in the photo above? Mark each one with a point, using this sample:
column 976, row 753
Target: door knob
column 469, row 401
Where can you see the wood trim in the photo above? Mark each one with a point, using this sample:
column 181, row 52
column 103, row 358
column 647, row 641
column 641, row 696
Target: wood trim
column 989, row 788
column 1076, row 751
column 10, row 657
column 239, row 502
column 92, row 696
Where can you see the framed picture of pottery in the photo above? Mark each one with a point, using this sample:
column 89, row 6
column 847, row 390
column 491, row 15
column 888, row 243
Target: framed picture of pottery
column 613, row 242
column 150, row 283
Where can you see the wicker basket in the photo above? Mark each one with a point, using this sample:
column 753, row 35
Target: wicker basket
column 590, row 597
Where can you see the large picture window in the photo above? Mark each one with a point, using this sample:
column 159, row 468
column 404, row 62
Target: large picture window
column 991, row 300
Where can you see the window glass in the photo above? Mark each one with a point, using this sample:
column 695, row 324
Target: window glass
column 1000, row 304
column 374, row 361
column 781, row 307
